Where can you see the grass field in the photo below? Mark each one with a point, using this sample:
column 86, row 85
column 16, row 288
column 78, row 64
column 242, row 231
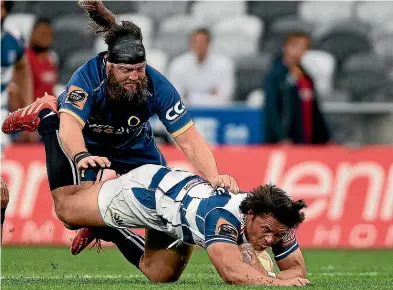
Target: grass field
column 55, row 268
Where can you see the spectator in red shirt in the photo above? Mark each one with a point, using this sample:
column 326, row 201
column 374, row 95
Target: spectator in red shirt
column 292, row 113
column 42, row 58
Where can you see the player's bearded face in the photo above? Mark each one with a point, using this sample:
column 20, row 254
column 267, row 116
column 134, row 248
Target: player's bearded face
column 264, row 231
column 128, row 82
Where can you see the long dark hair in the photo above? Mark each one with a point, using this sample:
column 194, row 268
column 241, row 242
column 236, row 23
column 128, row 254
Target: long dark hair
column 105, row 24
column 270, row 200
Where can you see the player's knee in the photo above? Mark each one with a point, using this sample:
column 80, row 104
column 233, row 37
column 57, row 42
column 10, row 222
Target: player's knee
column 61, row 210
column 159, row 273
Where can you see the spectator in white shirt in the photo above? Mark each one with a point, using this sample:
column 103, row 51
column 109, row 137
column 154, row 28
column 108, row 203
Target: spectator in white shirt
column 202, row 77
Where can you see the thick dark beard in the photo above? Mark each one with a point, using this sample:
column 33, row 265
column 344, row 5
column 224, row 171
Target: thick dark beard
column 119, row 93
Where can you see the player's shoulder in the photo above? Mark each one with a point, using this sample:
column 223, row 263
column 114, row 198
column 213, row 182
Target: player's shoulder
column 158, row 79
column 226, row 202
column 233, row 204
column 91, row 73
column 160, row 87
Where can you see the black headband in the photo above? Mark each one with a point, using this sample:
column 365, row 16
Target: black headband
column 128, row 50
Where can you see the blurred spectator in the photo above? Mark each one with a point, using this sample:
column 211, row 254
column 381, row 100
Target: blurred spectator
column 16, row 78
column 202, row 77
column 292, row 114
column 42, row 59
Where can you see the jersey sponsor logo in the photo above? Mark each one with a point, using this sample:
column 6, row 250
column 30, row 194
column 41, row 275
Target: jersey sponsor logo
column 76, row 97
column 193, row 183
column 225, row 228
column 176, row 111
column 289, row 238
column 98, row 128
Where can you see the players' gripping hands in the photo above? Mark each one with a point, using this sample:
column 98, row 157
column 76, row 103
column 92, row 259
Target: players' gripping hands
column 226, row 181
column 84, row 160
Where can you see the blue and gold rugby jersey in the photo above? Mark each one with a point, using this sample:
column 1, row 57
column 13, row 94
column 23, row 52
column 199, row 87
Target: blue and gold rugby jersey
column 120, row 130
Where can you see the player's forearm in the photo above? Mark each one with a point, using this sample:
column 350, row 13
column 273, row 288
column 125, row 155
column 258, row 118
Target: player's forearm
column 292, row 266
column 200, row 155
column 240, row 273
column 291, row 273
column 71, row 135
column 236, row 265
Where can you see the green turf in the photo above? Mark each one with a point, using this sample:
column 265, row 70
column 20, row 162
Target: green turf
column 55, row 268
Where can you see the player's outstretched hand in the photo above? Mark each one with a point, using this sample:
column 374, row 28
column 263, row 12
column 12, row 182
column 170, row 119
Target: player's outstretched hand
column 226, row 181
column 294, row 282
column 93, row 161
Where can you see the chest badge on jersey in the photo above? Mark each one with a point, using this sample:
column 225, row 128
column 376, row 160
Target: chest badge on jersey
column 133, row 121
column 76, row 97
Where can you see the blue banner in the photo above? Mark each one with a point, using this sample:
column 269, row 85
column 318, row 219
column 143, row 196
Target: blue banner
column 229, row 125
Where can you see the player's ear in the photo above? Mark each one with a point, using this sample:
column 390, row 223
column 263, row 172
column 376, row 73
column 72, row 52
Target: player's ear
column 250, row 215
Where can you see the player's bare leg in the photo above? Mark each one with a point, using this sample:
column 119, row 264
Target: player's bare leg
column 162, row 265
column 158, row 263
column 42, row 116
column 76, row 205
column 4, row 203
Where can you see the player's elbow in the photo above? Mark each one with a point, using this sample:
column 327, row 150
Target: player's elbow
column 302, row 270
column 230, row 275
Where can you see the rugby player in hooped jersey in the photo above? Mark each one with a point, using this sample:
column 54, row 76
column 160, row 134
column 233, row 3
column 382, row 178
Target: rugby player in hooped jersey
column 104, row 115
column 180, row 209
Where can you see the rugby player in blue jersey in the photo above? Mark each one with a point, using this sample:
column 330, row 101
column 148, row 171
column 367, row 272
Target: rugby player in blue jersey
column 103, row 121
column 180, row 209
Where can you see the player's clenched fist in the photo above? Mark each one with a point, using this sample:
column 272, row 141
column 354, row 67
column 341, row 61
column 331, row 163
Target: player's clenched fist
column 84, row 160
column 226, row 181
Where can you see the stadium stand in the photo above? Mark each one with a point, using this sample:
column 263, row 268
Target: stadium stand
column 351, row 57
column 212, row 12
column 364, row 76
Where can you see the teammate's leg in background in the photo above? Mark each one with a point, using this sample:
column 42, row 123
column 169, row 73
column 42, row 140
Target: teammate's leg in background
column 160, row 264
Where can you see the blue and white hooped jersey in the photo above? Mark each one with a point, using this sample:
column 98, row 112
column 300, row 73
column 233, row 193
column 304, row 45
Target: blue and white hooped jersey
column 12, row 51
column 186, row 207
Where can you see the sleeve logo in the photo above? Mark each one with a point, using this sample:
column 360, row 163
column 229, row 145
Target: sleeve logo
column 289, row 238
column 175, row 111
column 76, row 97
column 225, row 228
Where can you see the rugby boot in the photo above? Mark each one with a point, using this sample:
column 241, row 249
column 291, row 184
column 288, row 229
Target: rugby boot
column 27, row 118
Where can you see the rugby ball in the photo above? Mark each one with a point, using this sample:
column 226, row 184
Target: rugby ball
column 265, row 260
